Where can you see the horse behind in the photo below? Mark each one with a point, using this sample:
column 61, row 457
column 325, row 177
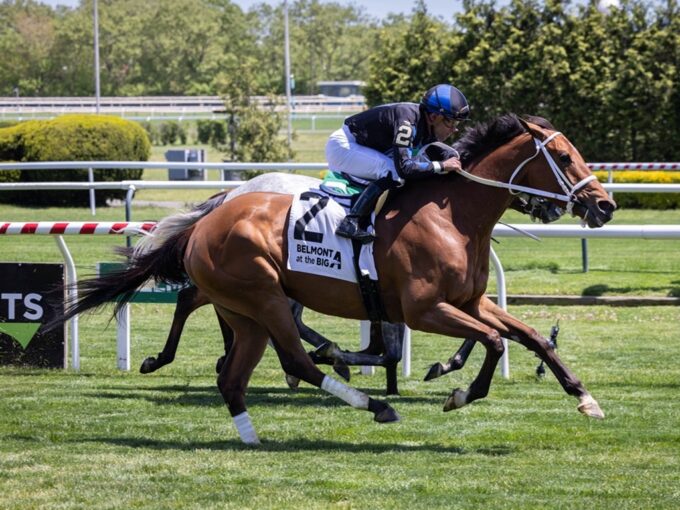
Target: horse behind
column 431, row 254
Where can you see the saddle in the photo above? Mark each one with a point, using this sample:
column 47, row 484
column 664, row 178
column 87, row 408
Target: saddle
column 313, row 226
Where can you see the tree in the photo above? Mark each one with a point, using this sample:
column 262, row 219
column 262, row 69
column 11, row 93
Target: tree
column 608, row 79
column 253, row 133
column 328, row 41
column 407, row 59
column 26, row 35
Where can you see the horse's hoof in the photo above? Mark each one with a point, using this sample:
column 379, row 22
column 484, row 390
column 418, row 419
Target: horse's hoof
column 342, row 370
column 148, row 365
column 590, row 407
column 220, row 363
column 436, row 370
column 327, row 350
column 387, row 415
column 292, row 382
column 456, row 400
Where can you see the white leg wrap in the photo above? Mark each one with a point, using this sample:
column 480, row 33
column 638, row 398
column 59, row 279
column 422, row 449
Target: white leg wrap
column 245, row 428
column 353, row 397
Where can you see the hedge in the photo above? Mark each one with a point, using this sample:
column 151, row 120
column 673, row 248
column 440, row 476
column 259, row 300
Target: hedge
column 71, row 138
column 644, row 200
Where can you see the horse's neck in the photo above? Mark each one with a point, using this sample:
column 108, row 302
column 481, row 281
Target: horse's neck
column 472, row 208
column 496, row 166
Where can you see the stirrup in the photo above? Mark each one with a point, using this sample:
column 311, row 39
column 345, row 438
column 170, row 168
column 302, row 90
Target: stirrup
column 350, row 229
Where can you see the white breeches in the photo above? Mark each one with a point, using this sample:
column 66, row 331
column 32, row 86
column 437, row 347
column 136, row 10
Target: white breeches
column 345, row 155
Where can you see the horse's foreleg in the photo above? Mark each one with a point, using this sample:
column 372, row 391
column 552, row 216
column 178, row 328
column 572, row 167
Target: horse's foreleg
column 188, row 300
column 392, row 339
column 455, row 362
column 445, row 319
column 515, row 329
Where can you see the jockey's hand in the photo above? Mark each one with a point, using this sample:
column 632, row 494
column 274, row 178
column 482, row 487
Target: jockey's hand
column 451, row 165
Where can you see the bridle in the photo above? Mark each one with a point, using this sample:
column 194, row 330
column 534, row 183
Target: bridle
column 569, row 190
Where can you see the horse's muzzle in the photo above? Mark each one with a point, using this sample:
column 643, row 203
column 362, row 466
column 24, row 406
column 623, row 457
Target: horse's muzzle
column 595, row 213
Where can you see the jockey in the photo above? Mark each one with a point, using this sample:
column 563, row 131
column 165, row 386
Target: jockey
column 379, row 147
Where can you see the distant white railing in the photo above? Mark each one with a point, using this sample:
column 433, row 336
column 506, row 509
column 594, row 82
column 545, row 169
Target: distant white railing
column 153, row 107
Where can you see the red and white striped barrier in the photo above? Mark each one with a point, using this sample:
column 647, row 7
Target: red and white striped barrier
column 634, row 166
column 75, row 227
column 60, row 228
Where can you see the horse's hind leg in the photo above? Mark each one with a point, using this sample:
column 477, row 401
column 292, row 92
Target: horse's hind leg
column 275, row 313
column 188, row 300
column 455, row 362
column 392, row 338
column 250, row 342
column 515, row 329
column 227, row 338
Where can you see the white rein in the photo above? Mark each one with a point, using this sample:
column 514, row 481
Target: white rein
column 570, row 191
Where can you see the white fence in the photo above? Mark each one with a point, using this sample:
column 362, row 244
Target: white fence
column 160, row 107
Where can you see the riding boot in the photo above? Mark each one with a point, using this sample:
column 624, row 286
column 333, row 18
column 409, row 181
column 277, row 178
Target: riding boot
column 361, row 209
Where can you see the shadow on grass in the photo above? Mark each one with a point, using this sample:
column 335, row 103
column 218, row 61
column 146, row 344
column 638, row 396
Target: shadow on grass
column 641, row 385
column 600, row 289
column 201, row 396
column 298, row 445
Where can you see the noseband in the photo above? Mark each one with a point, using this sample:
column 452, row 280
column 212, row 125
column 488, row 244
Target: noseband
column 570, row 191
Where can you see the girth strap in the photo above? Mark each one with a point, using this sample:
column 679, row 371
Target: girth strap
column 370, row 290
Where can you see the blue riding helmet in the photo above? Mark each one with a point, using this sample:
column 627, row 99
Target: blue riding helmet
column 446, row 100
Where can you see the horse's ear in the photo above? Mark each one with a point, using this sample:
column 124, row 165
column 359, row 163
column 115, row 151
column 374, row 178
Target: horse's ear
column 524, row 123
column 531, row 129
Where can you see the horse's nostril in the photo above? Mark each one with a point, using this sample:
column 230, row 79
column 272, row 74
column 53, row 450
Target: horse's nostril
column 606, row 207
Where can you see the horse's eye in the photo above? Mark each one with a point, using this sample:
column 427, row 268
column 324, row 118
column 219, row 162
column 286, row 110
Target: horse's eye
column 565, row 158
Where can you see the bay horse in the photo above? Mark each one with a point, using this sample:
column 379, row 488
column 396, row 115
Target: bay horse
column 431, row 254
column 384, row 347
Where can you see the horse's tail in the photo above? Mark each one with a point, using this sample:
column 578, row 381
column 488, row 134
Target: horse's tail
column 160, row 257
column 170, row 226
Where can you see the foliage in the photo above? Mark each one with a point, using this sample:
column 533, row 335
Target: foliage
column 152, row 131
column 408, row 60
column 213, row 132
column 171, row 131
column 608, row 79
column 645, row 200
column 73, row 138
column 253, row 129
column 175, row 47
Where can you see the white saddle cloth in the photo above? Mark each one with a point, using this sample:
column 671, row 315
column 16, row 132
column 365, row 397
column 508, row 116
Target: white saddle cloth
column 314, row 248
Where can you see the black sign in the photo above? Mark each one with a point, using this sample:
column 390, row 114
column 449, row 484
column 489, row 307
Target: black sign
column 27, row 301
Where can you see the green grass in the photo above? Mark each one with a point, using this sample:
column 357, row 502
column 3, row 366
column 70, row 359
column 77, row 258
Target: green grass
column 617, row 267
column 108, row 439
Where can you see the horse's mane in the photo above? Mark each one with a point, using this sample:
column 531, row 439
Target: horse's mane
column 486, row 137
